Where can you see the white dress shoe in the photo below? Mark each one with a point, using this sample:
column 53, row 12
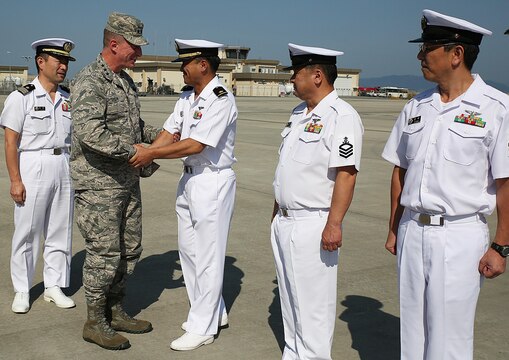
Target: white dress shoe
column 222, row 324
column 21, row 303
column 190, row 341
column 54, row 294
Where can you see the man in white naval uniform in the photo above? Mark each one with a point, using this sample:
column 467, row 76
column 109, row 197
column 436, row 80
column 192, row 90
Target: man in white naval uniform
column 314, row 183
column 206, row 117
column 451, row 163
column 37, row 123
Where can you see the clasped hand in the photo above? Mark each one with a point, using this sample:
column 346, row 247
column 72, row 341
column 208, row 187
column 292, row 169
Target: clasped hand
column 142, row 157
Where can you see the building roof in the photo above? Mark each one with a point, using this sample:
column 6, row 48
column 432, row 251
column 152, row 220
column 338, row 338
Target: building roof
column 7, row 68
column 261, row 76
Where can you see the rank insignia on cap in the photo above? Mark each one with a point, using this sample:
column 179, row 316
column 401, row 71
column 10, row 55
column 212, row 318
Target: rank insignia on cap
column 197, row 115
column 414, row 120
column 68, row 46
column 66, row 105
column 471, row 119
column 345, row 149
column 313, row 128
column 424, row 22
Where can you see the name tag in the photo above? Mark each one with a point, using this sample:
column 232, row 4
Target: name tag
column 414, row 120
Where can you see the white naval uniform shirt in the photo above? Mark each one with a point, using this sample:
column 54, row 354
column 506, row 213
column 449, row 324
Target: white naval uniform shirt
column 41, row 123
column 314, row 145
column 452, row 152
column 210, row 120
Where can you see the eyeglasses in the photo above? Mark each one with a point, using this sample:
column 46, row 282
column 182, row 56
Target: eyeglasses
column 427, row 47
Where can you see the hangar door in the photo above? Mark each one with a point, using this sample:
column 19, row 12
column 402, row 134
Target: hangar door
column 344, row 85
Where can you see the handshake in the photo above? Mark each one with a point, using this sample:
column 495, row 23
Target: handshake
column 144, row 157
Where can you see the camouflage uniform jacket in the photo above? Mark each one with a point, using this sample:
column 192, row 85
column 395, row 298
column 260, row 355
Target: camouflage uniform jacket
column 106, row 124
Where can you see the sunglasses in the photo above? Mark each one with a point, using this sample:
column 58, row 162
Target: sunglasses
column 426, row 47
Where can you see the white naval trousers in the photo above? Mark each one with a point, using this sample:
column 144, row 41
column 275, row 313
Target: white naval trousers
column 439, row 284
column 204, row 206
column 307, row 281
column 47, row 213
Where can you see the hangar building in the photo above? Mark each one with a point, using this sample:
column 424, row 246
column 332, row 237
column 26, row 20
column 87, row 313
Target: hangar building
column 244, row 77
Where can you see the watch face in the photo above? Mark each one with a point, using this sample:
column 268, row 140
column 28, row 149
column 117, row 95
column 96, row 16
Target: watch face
column 504, row 251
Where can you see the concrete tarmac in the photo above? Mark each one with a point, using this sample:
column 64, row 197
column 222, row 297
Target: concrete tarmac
column 367, row 324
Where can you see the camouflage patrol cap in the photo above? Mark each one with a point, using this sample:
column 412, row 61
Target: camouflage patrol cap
column 128, row 26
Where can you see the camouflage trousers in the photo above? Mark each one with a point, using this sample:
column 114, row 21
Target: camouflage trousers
column 110, row 222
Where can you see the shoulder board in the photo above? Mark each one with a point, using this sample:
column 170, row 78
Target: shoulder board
column 299, row 108
column 220, row 91
column 26, row 89
column 187, row 88
column 65, row 88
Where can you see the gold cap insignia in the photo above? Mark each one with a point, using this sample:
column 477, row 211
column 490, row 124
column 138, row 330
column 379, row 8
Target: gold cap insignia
column 424, row 22
column 67, row 46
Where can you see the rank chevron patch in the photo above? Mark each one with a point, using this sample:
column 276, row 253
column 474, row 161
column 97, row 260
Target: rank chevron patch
column 345, row 149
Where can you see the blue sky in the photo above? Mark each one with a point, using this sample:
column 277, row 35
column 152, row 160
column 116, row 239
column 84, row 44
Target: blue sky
column 372, row 34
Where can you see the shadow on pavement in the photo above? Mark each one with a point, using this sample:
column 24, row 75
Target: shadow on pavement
column 232, row 282
column 76, row 281
column 156, row 273
column 151, row 277
column 276, row 319
column 375, row 334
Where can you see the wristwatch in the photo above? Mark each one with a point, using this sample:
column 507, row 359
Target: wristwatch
column 503, row 250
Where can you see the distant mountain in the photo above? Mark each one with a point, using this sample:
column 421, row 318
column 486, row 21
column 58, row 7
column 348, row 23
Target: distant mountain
column 416, row 83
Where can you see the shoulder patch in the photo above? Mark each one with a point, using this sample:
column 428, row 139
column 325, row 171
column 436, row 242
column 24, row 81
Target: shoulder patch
column 65, row 88
column 220, row 91
column 187, row 88
column 26, row 89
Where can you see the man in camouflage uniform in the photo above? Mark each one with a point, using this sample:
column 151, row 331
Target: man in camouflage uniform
column 106, row 125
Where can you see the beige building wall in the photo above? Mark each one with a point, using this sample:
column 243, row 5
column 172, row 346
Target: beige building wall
column 18, row 74
column 169, row 76
column 244, row 78
column 251, row 88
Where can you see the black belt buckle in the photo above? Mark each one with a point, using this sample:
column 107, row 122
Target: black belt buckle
column 188, row 169
column 57, row 151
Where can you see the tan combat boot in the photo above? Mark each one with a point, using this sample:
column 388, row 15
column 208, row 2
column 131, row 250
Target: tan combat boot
column 121, row 321
column 97, row 330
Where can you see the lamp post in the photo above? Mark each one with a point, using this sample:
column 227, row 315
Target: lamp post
column 27, row 59
column 10, row 71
